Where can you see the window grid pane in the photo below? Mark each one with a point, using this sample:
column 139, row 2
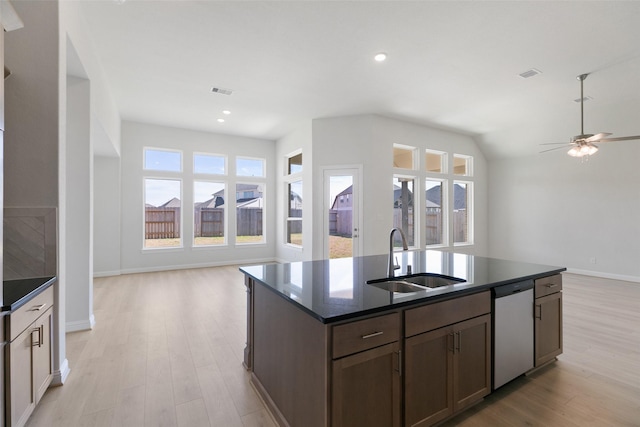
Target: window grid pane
column 208, row 213
column 403, row 217
column 294, row 164
column 162, row 160
column 294, row 212
column 162, row 213
column 403, row 157
column 209, row 164
column 249, row 167
column 249, row 213
column 435, row 192
column 461, row 211
column 435, row 161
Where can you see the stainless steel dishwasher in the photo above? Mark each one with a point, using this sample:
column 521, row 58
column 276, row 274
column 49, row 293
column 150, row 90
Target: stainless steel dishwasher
column 512, row 331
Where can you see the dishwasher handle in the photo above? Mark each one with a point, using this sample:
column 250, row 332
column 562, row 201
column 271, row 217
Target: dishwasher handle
column 512, row 288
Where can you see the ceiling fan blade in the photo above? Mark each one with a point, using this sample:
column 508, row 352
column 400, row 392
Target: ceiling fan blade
column 556, row 148
column 620, row 138
column 597, row 137
column 555, row 143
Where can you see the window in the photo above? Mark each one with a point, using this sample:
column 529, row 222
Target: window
column 249, row 213
column 162, row 213
column 462, row 193
column 162, row 160
column 462, row 165
column 294, row 213
column 403, row 212
column 435, row 161
column 249, row 167
column 209, row 219
column 294, row 164
column 403, row 156
column 210, row 164
column 435, row 191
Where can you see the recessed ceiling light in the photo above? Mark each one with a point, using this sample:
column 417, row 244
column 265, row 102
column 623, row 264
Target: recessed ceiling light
column 380, row 57
column 226, row 112
column 220, row 120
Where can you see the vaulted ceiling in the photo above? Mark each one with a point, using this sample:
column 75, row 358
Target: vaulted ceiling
column 451, row 64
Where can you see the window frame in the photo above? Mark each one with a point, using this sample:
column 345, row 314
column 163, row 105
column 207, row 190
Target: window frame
column 144, row 214
column 225, row 225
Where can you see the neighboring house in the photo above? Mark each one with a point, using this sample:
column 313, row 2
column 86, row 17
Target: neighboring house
column 459, row 197
column 344, row 200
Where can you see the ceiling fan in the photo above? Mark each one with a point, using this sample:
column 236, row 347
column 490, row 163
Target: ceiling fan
column 584, row 144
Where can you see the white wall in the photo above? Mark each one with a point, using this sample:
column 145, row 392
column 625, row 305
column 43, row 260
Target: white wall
column 299, row 139
column 136, row 136
column 106, row 211
column 554, row 209
column 368, row 140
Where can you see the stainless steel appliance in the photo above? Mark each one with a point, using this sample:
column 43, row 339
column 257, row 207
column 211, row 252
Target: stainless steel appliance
column 512, row 331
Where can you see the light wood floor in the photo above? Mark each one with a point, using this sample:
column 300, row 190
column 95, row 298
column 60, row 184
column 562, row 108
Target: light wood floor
column 167, row 351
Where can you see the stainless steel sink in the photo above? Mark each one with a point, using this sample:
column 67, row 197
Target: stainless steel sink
column 398, row 286
column 414, row 282
column 432, row 280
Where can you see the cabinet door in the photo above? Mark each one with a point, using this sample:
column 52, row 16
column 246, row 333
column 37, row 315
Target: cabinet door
column 20, row 392
column 428, row 377
column 42, row 361
column 548, row 327
column 472, row 361
column 366, row 388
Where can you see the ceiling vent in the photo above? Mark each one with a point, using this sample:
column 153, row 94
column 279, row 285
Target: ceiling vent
column 530, row 73
column 221, row 91
column 585, row 99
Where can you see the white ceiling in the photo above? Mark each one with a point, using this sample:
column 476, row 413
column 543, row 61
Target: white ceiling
column 451, row 64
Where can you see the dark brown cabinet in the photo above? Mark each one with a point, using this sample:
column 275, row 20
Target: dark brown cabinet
column 449, row 368
column 548, row 319
column 366, row 388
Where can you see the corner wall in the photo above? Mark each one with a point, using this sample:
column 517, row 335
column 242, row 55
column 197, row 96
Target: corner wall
column 558, row 210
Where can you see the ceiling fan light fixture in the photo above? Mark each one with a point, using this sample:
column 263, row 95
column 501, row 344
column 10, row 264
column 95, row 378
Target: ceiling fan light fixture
column 581, row 150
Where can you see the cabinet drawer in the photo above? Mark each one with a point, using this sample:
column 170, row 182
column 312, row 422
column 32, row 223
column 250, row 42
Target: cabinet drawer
column 434, row 316
column 361, row 335
column 548, row 285
column 20, row 319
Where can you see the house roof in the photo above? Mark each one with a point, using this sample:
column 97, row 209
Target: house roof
column 451, row 64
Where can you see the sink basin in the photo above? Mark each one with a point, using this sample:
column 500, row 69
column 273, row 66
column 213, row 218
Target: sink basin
column 432, row 280
column 414, row 282
column 398, row 286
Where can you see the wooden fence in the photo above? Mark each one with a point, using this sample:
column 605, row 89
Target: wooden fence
column 433, row 225
column 162, row 223
column 340, row 222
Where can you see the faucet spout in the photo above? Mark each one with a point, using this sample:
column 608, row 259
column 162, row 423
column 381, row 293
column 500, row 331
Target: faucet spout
column 392, row 266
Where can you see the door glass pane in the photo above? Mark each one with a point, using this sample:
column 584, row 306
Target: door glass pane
column 249, row 213
column 340, row 216
column 434, row 206
column 403, row 210
column 461, row 218
column 208, row 213
column 162, row 213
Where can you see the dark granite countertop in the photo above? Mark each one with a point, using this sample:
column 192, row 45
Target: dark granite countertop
column 18, row 292
column 334, row 290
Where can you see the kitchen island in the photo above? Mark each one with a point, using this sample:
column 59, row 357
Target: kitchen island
column 326, row 348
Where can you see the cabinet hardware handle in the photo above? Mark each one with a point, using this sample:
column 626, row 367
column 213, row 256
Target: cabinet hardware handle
column 552, row 285
column 41, row 340
column 539, row 307
column 452, row 340
column 459, row 342
column 39, row 307
column 33, row 344
column 374, row 334
column 399, row 352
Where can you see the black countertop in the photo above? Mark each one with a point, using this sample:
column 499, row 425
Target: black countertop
column 333, row 290
column 18, row 292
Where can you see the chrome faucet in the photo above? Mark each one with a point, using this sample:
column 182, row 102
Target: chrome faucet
column 392, row 266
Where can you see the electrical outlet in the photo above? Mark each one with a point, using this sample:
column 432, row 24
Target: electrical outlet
column 592, row 260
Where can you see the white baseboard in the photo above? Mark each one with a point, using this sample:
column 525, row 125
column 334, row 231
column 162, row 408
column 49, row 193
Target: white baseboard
column 60, row 375
column 190, row 266
column 622, row 277
column 106, row 273
column 81, row 325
